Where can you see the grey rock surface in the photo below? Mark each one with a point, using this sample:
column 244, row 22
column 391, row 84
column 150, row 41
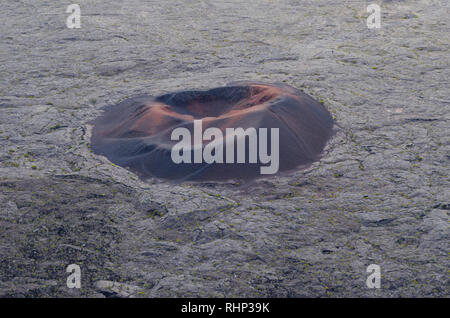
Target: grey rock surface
column 380, row 194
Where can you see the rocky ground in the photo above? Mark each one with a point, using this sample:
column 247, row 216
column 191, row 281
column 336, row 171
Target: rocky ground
column 380, row 194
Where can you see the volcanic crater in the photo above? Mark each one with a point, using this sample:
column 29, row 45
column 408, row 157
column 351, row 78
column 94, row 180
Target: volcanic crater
column 136, row 133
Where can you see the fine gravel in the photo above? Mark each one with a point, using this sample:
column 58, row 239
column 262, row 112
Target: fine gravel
column 379, row 195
